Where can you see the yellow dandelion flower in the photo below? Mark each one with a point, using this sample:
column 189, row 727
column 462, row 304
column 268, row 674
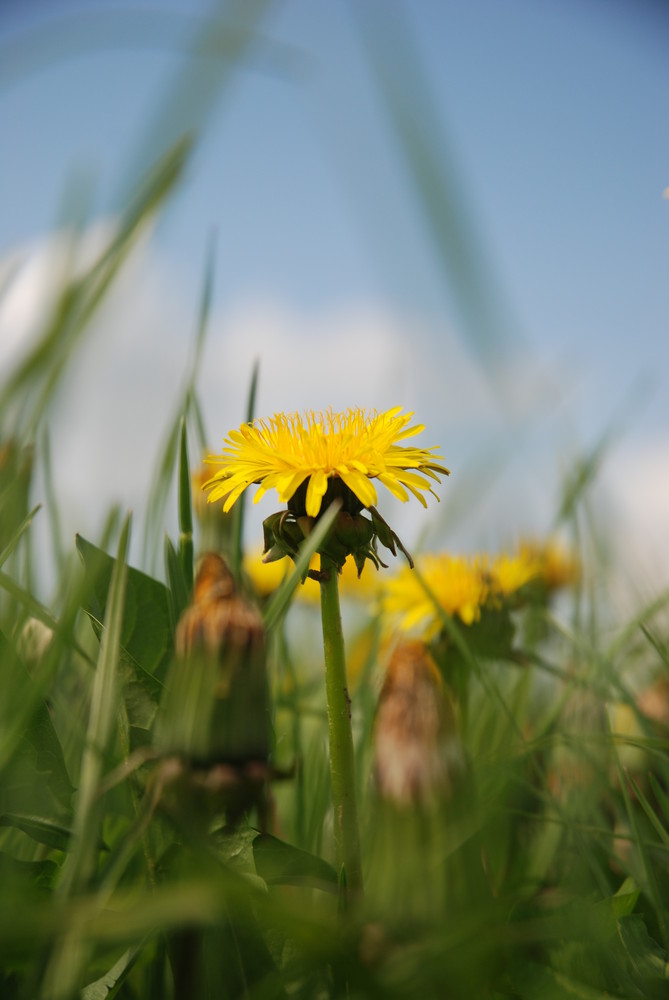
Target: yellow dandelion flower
column 558, row 567
column 458, row 584
column 508, row 573
column 302, row 456
column 267, row 576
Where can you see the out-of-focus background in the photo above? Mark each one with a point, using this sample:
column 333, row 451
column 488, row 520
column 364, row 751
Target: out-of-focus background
column 453, row 207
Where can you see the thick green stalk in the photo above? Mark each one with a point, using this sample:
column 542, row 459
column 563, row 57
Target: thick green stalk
column 342, row 770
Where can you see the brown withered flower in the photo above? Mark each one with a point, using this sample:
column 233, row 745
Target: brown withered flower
column 215, row 712
column 418, row 756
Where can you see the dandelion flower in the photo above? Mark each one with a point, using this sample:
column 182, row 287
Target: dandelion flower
column 303, row 456
column 509, row 573
column 459, row 586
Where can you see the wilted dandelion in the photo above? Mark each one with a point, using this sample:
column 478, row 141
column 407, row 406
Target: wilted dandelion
column 418, row 755
column 215, row 712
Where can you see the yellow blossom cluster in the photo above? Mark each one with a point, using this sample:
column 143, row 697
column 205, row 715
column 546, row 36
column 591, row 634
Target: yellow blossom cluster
column 464, row 586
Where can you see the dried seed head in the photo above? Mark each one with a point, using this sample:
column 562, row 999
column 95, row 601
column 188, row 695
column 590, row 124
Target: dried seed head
column 215, row 706
column 219, row 618
column 418, row 754
column 213, row 579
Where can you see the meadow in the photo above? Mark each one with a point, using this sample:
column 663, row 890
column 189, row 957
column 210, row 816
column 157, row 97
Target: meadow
column 348, row 771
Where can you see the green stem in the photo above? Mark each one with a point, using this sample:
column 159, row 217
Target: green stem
column 342, row 770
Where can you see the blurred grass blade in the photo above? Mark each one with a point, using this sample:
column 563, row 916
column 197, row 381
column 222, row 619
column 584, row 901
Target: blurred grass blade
column 185, row 511
column 52, row 505
column 280, row 600
column 440, row 193
column 16, row 537
column 31, row 386
column 652, row 885
column 650, row 812
column 186, row 404
column 104, row 701
column 222, row 43
column 178, row 588
column 237, row 539
column 636, row 624
column 41, row 613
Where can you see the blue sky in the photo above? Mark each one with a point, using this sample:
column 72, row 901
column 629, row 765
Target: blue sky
column 550, row 123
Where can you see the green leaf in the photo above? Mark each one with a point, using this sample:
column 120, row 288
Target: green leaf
column 21, row 876
column 146, row 636
column 107, row 986
column 43, row 830
column 279, row 863
column 649, row 961
column 625, row 899
column 36, row 780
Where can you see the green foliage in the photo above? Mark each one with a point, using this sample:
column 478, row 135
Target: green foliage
column 146, row 634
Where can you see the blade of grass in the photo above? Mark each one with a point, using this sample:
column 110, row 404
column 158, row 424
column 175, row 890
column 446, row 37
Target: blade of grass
column 16, row 537
column 186, row 402
column 280, row 600
column 239, row 508
column 652, row 887
column 650, row 812
column 68, row 956
column 52, row 505
column 185, row 511
column 42, row 614
column 100, row 724
column 440, row 193
column 40, row 372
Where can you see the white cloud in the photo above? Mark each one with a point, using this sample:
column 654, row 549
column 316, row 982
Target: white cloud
column 636, row 480
column 118, row 395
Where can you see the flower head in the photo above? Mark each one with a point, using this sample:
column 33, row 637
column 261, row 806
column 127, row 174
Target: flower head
column 558, row 566
column 418, row 755
column 459, row 585
column 302, row 455
column 315, row 459
column 510, row 573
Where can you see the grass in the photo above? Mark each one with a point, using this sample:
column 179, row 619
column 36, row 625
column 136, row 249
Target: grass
column 540, row 872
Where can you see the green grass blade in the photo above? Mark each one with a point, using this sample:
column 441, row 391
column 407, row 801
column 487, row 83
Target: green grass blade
column 439, row 189
column 69, row 953
column 186, row 405
column 178, row 587
column 650, row 812
column 238, row 510
column 102, row 715
column 280, row 600
column 36, row 378
column 185, row 511
column 16, row 537
column 652, row 886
